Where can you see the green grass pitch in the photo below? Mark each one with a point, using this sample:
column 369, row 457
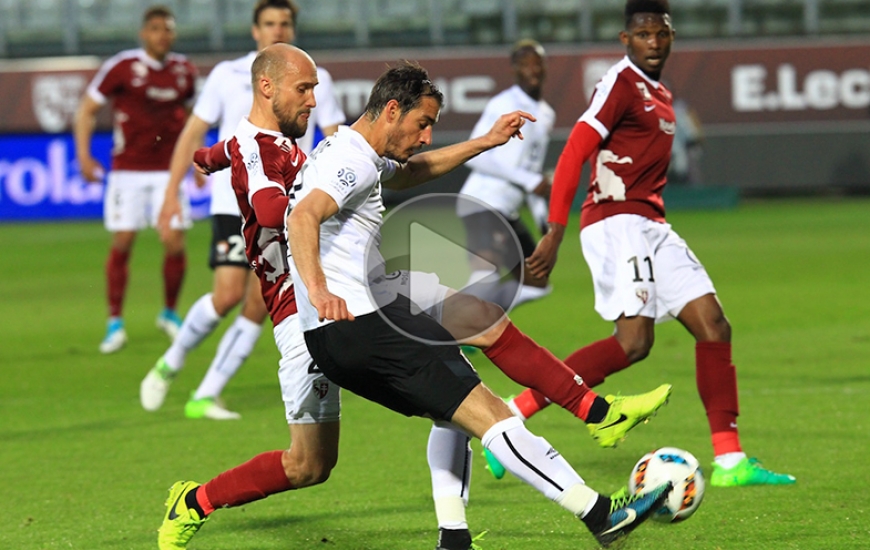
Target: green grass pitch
column 83, row 466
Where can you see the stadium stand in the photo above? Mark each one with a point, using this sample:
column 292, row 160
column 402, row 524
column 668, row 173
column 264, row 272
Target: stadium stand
column 32, row 28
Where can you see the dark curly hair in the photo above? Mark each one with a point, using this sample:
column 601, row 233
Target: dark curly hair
column 645, row 6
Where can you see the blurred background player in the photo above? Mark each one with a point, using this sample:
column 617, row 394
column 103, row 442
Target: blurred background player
column 226, row 98
column 504, row 178
column 150, row 89
column 642, row 271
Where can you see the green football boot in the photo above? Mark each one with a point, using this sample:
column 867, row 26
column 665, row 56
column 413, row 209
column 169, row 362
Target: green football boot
column 748, row 471
column 626, row 412
column 180, row 522
column 208, row 407
column 493, row 465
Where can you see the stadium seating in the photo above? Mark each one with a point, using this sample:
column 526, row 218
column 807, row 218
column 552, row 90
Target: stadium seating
column 74, row 27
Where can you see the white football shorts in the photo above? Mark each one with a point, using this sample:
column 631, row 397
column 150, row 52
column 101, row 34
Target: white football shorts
column 641, row 267
column 309, row 397
column 133, row 201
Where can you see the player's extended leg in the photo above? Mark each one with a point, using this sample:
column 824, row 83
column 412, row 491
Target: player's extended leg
column 201, row 320
column 117, row 275
column 484, row 325
column 174, row 266
column 312, row 455
column 235, row 346
column 312, row 408
column 717, row 386
column 533, row 460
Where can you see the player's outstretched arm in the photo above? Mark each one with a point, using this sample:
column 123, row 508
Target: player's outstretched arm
column 208, row 160
column 191, row 138
column 424, row 167
column 303, row 232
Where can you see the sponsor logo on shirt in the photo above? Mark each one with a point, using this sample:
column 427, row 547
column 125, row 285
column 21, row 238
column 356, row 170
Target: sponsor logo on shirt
column 161, row 94
column 669, row 128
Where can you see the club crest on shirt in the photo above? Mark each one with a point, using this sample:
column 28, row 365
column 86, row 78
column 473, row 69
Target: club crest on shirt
column 140, row 71
column 642, row 294
column 644, row 91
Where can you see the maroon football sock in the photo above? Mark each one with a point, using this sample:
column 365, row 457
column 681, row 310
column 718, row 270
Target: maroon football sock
column 256, row 479
column 717, row 385
column 173, row 275
column 531, row 365
column 117, row 273
column 598, row 360
column 593, row 363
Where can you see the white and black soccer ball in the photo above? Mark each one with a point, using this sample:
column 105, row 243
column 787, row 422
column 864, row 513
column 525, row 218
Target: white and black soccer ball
column 679, row 467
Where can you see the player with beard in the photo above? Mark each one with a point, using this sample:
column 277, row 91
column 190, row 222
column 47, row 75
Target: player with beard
column 265, row 160
column 224, row 100
column 381, row 349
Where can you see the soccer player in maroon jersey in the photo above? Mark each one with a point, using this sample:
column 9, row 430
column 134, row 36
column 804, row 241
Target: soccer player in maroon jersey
column 224, row 100
column 150, row 89
column 642, row 270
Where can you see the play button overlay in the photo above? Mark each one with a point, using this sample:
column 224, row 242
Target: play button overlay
column 430, row 260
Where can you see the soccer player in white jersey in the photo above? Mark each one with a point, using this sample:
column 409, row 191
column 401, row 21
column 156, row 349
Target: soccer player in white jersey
column 150, row 89
column 264, row 167
column 506, row 177
column 335, row 215
column 226, row 98
column 642, row 271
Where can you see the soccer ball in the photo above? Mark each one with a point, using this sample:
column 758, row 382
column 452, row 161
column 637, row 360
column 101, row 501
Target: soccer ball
column 680, row 468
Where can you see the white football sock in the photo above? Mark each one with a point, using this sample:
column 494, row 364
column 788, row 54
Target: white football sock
column 528, row 293
column 729, row 460
column 532, row 459
column 483, row 284
column 514, row 409
column 539, row 207
column 199, row 322
column 236, row 345
column 449, row 455
column 507, row 294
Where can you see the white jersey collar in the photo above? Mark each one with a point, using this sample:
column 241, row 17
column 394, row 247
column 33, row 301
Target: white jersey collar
column 654, row 83
column 150, row 61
